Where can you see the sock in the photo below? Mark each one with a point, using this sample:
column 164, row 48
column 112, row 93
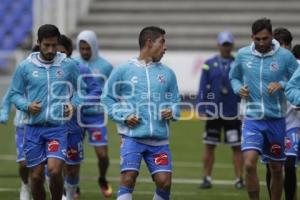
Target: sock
column 71, row 186
column 268, row 179
column 290, row 179
column 125, row 193
column 161, row 195
column 208, row 178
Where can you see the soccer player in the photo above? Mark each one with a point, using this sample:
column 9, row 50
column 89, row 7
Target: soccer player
column 41, row 88
column 142, row 96
column 284, row 37
column 258, row 75
column 93, row 119
column 75, row 138
column 215, row 81
column 25, row 193
column 296, row 52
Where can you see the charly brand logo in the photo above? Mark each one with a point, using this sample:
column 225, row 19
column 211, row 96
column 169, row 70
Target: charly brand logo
column 249, row 64
column 35, row 73
column 134, row 79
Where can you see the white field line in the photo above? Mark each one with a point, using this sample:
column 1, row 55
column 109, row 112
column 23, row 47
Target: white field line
column 9, row 157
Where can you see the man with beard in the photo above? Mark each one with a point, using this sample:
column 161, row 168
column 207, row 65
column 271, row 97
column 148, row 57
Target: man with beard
column 93, row 118
column 41, row 88
column 259, row 76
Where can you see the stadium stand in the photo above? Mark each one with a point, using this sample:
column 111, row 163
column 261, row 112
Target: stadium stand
column 190, row 24
column 16, row 20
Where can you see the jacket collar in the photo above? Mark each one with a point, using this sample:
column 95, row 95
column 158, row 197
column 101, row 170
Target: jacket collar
column 142, row 63
column 33, row 58
column 275, row 47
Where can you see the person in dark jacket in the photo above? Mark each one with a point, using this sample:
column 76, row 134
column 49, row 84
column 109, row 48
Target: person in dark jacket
column 218, row 104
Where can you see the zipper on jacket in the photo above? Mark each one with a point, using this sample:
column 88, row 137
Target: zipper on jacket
column 261, row 84
column 48, row 94
column 149, row 101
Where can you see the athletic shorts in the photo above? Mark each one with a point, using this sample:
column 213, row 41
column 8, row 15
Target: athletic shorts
column 19, row 139
column 96, row 129
column 42, row 142
column 266, row 137
column 232, row 132
column 292, row 142
column 74, row 148
column 157, row 158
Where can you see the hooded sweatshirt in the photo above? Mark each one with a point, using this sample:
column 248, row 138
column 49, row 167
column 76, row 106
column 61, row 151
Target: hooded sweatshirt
column 257, row 71
column 98, row 65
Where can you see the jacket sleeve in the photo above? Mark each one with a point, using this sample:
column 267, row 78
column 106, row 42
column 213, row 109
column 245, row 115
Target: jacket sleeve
column 175, row 100
column 76, row 83
column 116, row 108
column 5, row 107
column 202, row 91
column 292, row 66
column 236, row 75
column 18, row 90
column 292, row 89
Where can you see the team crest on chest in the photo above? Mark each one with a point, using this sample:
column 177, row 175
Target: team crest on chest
column 161, row 78
column 274, row 66
column 59, row 73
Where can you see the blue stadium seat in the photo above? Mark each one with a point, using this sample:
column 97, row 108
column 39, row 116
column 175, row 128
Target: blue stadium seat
column 15, row 22
column 3, row 64
column 8, row 43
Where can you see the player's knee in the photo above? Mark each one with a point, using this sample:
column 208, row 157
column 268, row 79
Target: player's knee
column 276, row 169
column 163, row 182
column 250, row 167
column 37, row 178
column 102, row 155
column 54, row 173
column 128, row 179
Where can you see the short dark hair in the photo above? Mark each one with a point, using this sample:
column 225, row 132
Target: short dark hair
column 296, row 51
column 67, row 43
column 47, row 31
column 150, row 32
column 260, row 25
column 283, row 36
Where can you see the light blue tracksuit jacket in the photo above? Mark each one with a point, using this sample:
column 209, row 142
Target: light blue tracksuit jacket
column 5, row 111
column 52, row 86
column 292, row 90
column 100, row 67
column 257, row 71
column 143, row 90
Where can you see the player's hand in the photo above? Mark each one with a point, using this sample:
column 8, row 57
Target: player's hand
column 166, row 114
column 3, row 118
column 132, row 121
column 68, row 110
column 273, row 87
column 35, row 107
column 244, row 91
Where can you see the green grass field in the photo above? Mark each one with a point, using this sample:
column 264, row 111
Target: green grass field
column 186, row 146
